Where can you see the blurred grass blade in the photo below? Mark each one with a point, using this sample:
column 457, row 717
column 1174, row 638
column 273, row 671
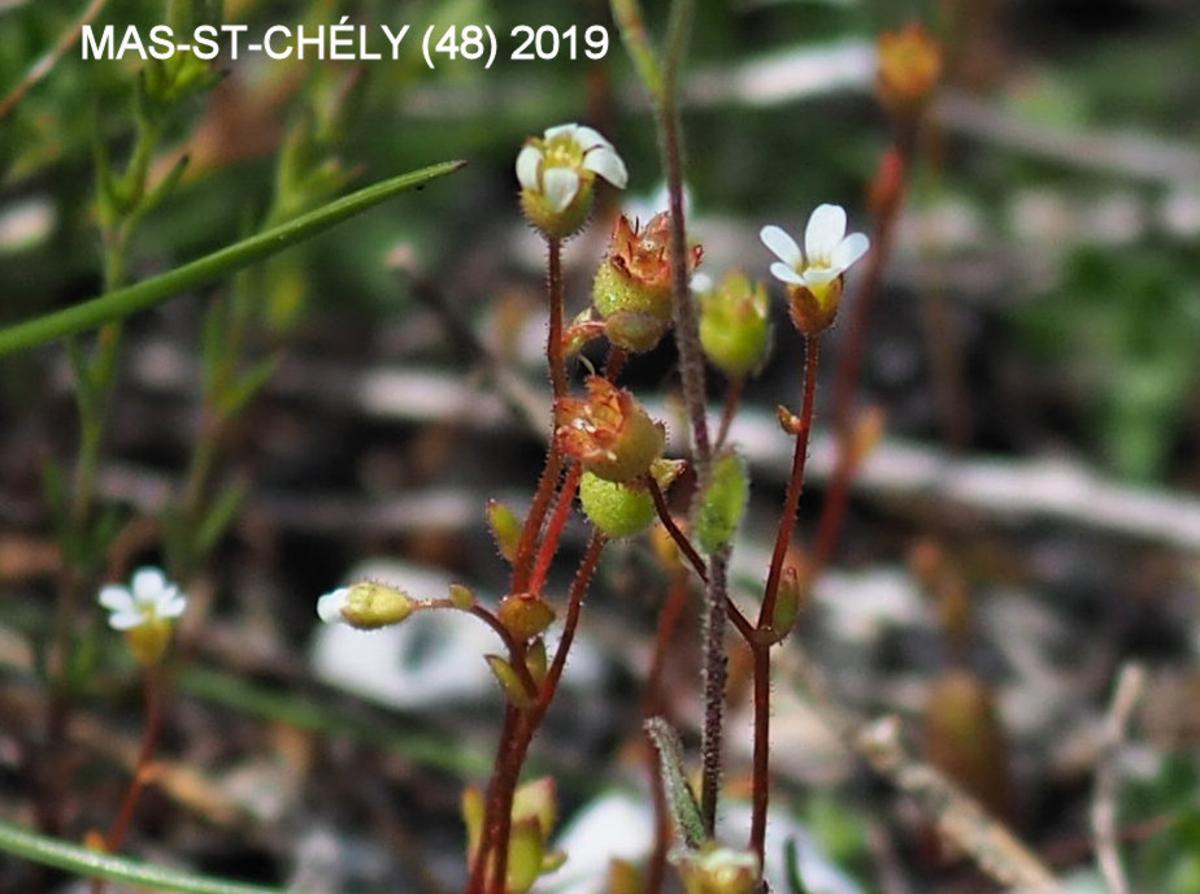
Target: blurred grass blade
column 81, row 861
column 628, row 16
column 123, row 302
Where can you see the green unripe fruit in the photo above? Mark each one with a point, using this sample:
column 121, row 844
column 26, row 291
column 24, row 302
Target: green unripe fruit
column 735, row 330
column 637, row 313
column 723, row 503
column 618, row 510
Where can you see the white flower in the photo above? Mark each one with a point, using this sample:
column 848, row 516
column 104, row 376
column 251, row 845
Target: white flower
column 557, row 165
column 828, row 251
column 329, row 606
column 150, row 597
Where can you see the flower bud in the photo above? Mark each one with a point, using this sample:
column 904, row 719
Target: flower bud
column 534, row 810
column 461, row 597
column 537, row 660
column 735, row 329
column 366, row 605
column 910, row 64
column 474, row 809
column 526, row 851
column 537, row 800
column 510, row 681
column 718, row 870
column 633, row 287
column 722, row 503
column 525, row 615
column 788, row 602
column 505, row 528
column 557, row 173
column 609, row 432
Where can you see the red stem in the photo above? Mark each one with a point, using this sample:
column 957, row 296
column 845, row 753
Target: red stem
column 685, row 546
column 476, row 882
column 681, row 540
column 787, row 522
column 527, row 725
column 141, row 770
column 554, row 529
column 554, row 341
column 733, row 399
column 533, row 522
column 760, row 648
column 762, row 748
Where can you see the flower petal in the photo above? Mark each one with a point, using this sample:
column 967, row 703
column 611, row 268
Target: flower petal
column 529, row 162
column 148, row 583
column 116, row 598
column 173, row 606
column 589, row 138
column 126, row 620
column 850, row 250
column 329, row 606
column 782, row 245
column 819, row 277
column 701, row 283
column 605, row 162
column 560, row 186
column 825, row 230
column 560, row 131
column 782, row 271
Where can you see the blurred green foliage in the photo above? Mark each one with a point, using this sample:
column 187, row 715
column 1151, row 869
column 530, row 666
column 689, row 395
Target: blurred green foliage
column 1169, row 860
column 1125, row 325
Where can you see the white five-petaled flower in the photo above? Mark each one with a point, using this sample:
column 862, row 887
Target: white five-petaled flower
column 150, row 597
column 565, row 159
column 828, row 251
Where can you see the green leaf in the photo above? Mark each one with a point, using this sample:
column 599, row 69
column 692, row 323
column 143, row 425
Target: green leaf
column 81, row 861
column 148, row 293
column 722, row 503
column 684, row 809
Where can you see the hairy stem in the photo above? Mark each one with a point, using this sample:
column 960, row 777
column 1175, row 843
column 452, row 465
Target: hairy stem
column 791, row 502
column 733, row 399
column 681, row 539
column 762, row 749
column 509, row 773
column 554, row 529
column 554, row 341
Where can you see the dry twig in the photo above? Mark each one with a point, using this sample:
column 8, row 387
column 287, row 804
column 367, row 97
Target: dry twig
column 993, row 847
column 1130, row 683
